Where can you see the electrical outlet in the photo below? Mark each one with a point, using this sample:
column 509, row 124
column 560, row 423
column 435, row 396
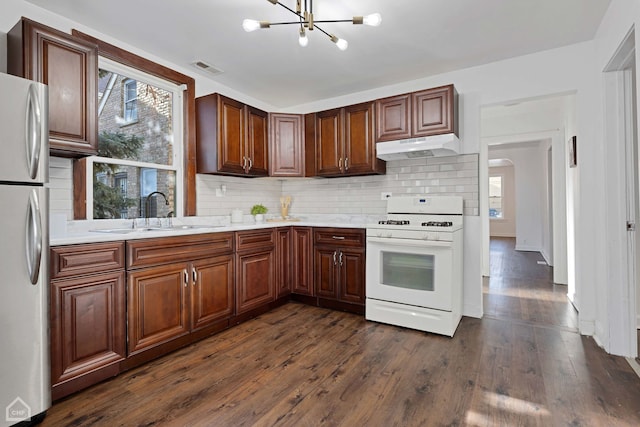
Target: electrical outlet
column 385, row 195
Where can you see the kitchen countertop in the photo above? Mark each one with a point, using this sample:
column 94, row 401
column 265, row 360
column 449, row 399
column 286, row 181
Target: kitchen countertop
column 76, row 232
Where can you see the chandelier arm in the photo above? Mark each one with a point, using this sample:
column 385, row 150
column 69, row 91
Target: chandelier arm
column 289, row 9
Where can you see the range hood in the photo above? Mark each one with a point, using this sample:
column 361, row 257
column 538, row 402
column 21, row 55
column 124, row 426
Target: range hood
column 437, row 146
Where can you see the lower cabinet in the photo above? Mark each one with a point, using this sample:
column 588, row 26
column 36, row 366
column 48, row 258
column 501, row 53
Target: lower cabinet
column 212, row 291
column 177, row 286
column 339, row 270
column 302, row 261
column 255, row 273
column 284, row 265
column 157, row 306
column 171, row 301
column 87, row 328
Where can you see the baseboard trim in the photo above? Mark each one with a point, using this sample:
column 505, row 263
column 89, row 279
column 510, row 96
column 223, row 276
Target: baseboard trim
column 526, row 248
column 587, row 327
column 634, row 365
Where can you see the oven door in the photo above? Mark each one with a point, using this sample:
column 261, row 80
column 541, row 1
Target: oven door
column 413, row 272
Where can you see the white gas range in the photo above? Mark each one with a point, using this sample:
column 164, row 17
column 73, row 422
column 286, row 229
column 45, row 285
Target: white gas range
column 414, row 264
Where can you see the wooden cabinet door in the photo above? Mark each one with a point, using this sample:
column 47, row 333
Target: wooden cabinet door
column 232, row 156
column 352, row 273
column 302, row 261
column 255, row 276
column 359, row 145
column 326, row 272
column 212, row 281
column 393, row 118
column 329, row 153
column 157, row 306
column 69, row 66
column 286, row 145
column 433, row 111
column 284, row 252
column 87, row 324
column 257, row 140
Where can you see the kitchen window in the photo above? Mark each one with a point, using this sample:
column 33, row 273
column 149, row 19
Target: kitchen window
column 138, row 116
column 496, row 197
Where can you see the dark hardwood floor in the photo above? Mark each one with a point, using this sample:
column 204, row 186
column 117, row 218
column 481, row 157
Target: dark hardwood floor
column 522, row 365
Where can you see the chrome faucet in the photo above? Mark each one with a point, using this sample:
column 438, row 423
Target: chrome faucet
column 146, row 205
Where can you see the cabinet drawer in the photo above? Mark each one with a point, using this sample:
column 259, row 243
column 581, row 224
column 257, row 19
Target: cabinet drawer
column 143, row 253
column 253, row 239
column 339, row 236
column 75, row 260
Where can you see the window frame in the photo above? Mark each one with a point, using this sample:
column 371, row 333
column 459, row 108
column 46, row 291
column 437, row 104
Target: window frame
column 114, row 53
column 177, row 163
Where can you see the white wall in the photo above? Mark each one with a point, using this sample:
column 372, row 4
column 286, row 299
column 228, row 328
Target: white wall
column 505, row 226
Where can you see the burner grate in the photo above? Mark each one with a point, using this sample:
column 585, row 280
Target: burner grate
column 394, row 222
column 437, row 224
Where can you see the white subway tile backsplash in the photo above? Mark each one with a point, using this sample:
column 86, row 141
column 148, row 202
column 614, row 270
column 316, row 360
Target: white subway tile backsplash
column 454, row 175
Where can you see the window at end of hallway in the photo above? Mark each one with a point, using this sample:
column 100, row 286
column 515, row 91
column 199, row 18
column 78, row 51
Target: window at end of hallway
column 495, row 197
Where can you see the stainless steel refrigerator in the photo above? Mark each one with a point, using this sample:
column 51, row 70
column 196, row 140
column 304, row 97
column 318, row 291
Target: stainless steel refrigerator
column 25, row 389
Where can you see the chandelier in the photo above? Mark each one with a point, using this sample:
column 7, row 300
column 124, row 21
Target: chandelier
column 307, row 22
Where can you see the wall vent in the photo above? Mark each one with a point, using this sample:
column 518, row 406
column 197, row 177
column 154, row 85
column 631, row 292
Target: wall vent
column 201, row 65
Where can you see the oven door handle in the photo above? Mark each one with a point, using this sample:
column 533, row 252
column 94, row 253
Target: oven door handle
column 410, row 242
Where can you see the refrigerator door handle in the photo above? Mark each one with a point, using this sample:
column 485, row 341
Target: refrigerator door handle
column 34, row 130
column 34, row 238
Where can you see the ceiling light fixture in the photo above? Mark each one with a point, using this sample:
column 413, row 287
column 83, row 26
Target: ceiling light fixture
column 307, row 22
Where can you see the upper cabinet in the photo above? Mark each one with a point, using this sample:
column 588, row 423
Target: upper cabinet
column 69, row 66
column 424, row 113
column 232, row 138
column 344, row 143
column 286, row 145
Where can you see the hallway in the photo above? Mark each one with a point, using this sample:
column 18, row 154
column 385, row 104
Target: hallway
column 520, row 289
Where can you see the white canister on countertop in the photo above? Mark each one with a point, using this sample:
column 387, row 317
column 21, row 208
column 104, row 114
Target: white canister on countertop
column 236, row 215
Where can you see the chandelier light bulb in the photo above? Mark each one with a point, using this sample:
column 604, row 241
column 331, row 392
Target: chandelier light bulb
column 303, row 40
column 372, row 20
column 341, row 43
column 250, row 25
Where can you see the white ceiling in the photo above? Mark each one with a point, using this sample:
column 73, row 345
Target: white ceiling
column 417, row 38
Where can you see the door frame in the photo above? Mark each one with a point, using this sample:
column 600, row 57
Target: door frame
column 617, row 329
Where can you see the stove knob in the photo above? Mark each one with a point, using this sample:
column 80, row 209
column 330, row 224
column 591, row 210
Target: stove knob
column 379, row 234
column 389, row 235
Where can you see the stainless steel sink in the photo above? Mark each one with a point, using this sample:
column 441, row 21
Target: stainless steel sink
column 147, row 229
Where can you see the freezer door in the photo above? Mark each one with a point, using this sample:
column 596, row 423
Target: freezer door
column 24, row 310
column 24, row 139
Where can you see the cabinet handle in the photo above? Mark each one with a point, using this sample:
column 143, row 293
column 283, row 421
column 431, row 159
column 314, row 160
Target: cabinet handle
column 337, row 237
column 340, row 258
column 250, row 164
column 244, row 162
column 340, row 163
column 194, row 274
column 346, row 163
column 186, row 277
column 334, row 257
